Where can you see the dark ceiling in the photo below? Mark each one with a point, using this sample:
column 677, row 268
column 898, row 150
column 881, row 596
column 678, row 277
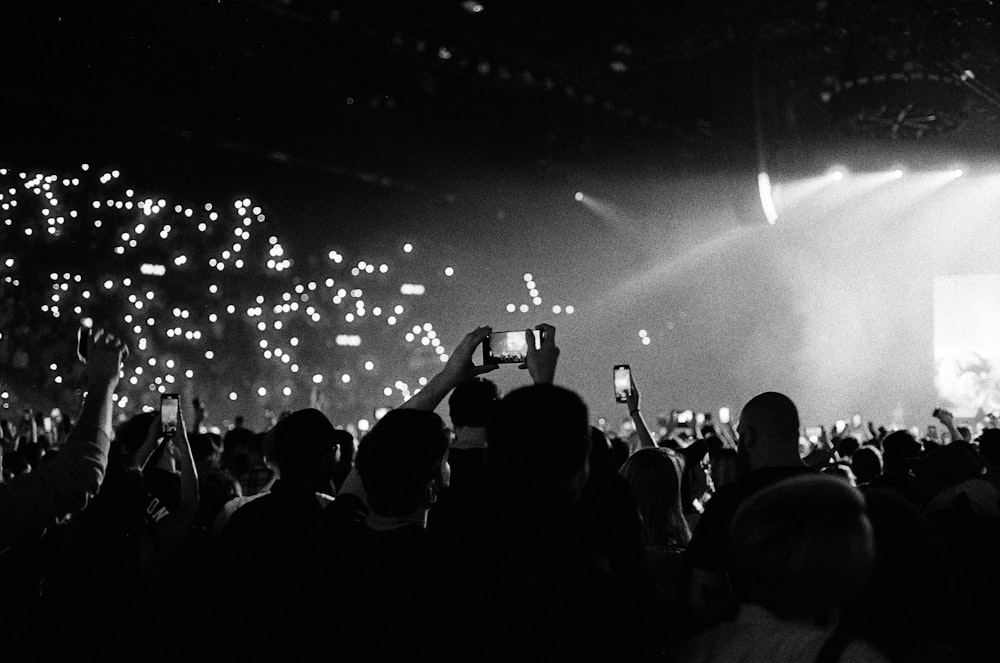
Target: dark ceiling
column 389, row 87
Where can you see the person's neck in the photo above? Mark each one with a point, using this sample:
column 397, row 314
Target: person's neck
column 469, row 437
column 379, row 523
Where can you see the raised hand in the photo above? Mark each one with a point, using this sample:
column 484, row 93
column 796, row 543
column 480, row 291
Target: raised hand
column 460, row 368
column 632, row 401
column 541, row 362
column 105, row 355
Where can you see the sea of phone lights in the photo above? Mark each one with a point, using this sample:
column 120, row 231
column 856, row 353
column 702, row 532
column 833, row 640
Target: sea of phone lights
column 209, row 295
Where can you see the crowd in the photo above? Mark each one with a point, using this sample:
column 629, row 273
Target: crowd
column 520, row 533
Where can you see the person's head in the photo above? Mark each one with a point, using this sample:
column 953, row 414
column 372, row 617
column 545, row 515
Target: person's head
column 471, row 404
column 303, row 447
column 769, row 432
column 866, row 463
column 846, row 446
column 207, row 453
column 539, row 444
column 802, row 547
column 947, row 466
column 898, row 448
column 989, row 448
column 654, row 475
column 403, row 462
column 131, row 434
column 239, row 421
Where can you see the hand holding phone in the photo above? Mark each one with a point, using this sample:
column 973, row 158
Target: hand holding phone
column 508, row 347
column 622, row 374
column 169, row 414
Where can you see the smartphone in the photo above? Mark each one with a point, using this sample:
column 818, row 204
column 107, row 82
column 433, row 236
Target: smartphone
column 699, row 418
column 840, row 426
column 82, row 338
column 685, row 417
column 623, row 382
column 508, row 347
column 169, row 414
column 856, row 421
column 723, row 415
column 814, row 432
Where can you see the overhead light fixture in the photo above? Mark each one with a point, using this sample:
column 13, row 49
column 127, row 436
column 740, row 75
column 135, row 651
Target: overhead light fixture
column 766, row 200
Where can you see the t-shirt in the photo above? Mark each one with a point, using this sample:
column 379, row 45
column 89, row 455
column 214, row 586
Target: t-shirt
column 387, row 588
column 709, row 547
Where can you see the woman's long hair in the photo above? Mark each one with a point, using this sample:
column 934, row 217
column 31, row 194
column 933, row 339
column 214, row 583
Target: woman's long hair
column 654, row 475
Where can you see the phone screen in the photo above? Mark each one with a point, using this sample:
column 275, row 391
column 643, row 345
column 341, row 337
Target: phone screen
column 169, row 413
column 724, row 415
column 840, row 426
column 856, row 421
column 813, row 432
column 623, row 382
column 508, row 347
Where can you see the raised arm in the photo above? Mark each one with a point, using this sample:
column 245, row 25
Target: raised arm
column 459, row 369
column 33, row 501
column 175, row 526
column 645, row 439
column 948, row 419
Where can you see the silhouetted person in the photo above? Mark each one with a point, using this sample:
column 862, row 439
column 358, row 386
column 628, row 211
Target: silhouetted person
column 459, row 513
column 769, row 449
column 383, row 575
column 801, row 548
column 269, row 552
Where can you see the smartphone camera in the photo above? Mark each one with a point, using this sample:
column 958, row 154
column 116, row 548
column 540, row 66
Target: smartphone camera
column 623, row 383
column 508, row 347
column 169, row 414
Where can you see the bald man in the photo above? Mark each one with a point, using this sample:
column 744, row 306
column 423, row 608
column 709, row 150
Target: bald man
column 769, row 452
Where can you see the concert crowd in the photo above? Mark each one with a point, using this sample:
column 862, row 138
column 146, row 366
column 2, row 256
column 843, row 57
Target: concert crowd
column 521, row 533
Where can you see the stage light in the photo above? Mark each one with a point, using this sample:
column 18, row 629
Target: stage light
column 287, row 391
column 511, row 308
column 407, row 248
column 766, row 201
column 557, row 309
column 262, row 391
column 578, row 196
column 345, row 378
column 837, row 175
column 233, row 396
column 897, row 174
column 958, row 172
column 449, row 271
column 369, row 365
column 317, row 378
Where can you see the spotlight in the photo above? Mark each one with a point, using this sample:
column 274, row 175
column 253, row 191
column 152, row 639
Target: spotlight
column 578, row 196
column 766, row 201
column 837, row 175
column 958, row 172
column 897, row 174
